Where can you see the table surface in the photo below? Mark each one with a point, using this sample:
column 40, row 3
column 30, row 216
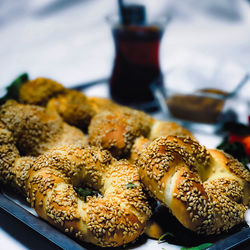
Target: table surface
column 72, row 43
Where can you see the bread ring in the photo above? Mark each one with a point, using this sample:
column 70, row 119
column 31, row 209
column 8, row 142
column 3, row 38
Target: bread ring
column 116, row 218
column 116, row 131
column 35, row 129
column 158, row 129
column 13, row 167
column 74, row 107
column 207, row 191
column 77, row 109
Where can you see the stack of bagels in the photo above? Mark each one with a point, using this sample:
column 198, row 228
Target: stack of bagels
column 54, row 140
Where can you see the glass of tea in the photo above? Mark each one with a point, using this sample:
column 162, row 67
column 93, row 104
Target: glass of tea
column 136, row 65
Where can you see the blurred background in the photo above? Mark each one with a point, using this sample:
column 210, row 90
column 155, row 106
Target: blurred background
column 71, row 41
column 206, row 43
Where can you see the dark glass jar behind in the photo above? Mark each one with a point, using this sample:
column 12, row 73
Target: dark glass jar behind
column 136, row 64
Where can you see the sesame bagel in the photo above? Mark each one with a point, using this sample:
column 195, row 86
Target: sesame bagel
column 110, row 126
column 123, row 130
column 47, row 160
column 36, row 129
column 116, row 131
column 27, row 131
column 206, row 190
column 48, row 174
column 74, row 108
column 115, row 218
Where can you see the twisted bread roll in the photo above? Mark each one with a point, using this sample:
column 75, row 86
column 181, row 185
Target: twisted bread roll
column 28, row 130
column 72, row 105
column 207, row 191
column 13, row 168
column 178, row 171
column 116, row 218
column 116, row 131
column 119, row 129
column 110, row 126
column 36, row 129
column 74, row 108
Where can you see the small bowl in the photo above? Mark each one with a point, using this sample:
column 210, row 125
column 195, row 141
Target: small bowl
column 203, row 109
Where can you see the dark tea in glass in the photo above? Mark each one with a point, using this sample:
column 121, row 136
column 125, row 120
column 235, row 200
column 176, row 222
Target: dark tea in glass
column 136, row 63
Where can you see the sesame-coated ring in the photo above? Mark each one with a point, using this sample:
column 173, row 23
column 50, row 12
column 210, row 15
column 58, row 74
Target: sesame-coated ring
column 208, row 191
column 45, row 159
column 115, row 218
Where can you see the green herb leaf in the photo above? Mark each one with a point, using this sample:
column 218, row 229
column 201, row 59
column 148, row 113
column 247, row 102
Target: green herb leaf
column 236, row 149
column 130, row 185
column 162, row 237
column 85, row 192
column 14, row 87
column 200, row 247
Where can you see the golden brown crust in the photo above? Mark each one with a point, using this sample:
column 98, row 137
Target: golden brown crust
column 31, row 124
column 231, row 164
column 39, row 91
column 20, row 170
column 36, row 129
column 48, row 180
column 116, row 131
column 74, row 108
column 101, row 104
column 115, row 219
column 78, row 110
column 154, row 230
column 225, row 165
column 165, row 128
column 176, row 170
column 207, row 191
column 139, row 144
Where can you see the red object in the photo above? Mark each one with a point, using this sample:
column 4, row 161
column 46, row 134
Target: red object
column 136, row 63
column 249, row 120
column 245, row 140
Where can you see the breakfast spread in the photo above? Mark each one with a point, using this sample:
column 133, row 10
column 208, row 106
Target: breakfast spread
column 55, row 140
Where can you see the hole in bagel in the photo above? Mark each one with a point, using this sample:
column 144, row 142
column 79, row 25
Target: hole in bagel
column 84, row 191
